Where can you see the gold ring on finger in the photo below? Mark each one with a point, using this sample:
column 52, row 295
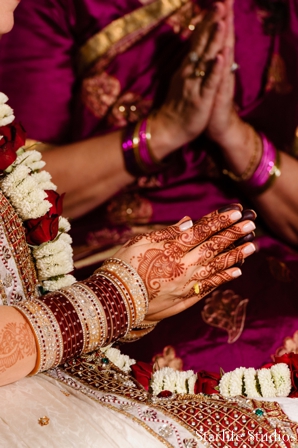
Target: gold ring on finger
column 199, row 73
column 196, row 288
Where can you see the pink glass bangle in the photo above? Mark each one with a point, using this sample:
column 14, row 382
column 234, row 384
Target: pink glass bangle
column 138, row 157
column 267, row 170
column 128, row 149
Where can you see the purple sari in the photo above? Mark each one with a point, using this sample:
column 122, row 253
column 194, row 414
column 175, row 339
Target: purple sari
column 63, row 92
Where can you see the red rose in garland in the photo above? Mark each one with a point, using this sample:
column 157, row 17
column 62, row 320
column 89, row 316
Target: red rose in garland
column 57, row 202
column 13, row 137
column 142, row 372
column 207, row 382
column 45, row 228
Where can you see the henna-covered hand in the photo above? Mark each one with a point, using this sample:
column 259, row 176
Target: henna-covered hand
column 172, row 260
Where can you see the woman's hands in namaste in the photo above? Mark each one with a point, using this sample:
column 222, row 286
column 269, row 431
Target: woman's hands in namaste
column 182, row 263
column 189, row 103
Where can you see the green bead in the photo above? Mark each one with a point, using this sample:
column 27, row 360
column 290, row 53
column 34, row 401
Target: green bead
column 259, row 412
column 105, row 361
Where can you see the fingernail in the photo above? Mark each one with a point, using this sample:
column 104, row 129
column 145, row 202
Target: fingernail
column 236, row 273
column 248, row 215
column 245, row 239
column 186, row 225
column 248, row 227
column 235, row 216
column 229, row 207
column 249, row 249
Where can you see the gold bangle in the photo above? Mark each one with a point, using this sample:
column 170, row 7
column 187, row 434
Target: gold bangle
column 148, row 141
column 132, row 282
column 137, row 333
column 249, row 170
column 146, row 325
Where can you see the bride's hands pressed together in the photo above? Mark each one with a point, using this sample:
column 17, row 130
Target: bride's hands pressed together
column 182, row 263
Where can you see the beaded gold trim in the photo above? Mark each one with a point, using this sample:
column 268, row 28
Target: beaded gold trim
column 127, row 299
column 16, row 238
column 124, row 294
column 90, row 313
column 134, row 284
column 47, row 332
column 137, row 333
column 211, row 419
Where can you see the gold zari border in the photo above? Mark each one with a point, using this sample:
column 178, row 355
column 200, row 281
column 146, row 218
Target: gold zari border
column 137, row 21
column 198, row 414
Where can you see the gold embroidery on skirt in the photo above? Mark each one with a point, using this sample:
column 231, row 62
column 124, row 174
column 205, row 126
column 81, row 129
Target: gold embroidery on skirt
column 279, row 270
column 290, row 344
column 277, row 76
column 131, row 27
column 226, row 310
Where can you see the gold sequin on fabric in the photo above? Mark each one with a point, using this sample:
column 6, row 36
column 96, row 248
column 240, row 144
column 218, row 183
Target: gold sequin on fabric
column 43, row 421
column 65, row 393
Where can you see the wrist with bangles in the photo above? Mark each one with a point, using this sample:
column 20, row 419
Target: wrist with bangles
column 87, row 315
column 257, row 179
column 139, row 159
column 138, row 332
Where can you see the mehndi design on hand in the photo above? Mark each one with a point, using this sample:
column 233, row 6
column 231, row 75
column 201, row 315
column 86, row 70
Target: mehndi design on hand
column 205, row 253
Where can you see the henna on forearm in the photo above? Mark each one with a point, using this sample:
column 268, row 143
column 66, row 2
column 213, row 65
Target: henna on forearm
column 16, row 343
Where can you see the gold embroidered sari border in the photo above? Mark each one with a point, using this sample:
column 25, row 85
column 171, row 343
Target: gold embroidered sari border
column 131, row 26
column 84, row 390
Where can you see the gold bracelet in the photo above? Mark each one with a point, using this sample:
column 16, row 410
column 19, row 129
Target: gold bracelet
column 148, row 140
column 136, row 333
column 133, row 283
column 248, row 172
column 47, row 333
column 90, row 314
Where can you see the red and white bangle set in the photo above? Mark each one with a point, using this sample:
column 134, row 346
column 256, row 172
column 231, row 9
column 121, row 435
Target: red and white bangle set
column 86, row 315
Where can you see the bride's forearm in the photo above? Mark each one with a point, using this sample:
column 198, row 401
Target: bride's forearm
column 18, row 352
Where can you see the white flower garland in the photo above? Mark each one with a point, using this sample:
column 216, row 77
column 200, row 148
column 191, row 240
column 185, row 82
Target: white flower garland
column 173, row 380
column 273, row 382
column 24, row 185
column 6, row 112
column 163, row 379
column 267, row 383
column 123, row 362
